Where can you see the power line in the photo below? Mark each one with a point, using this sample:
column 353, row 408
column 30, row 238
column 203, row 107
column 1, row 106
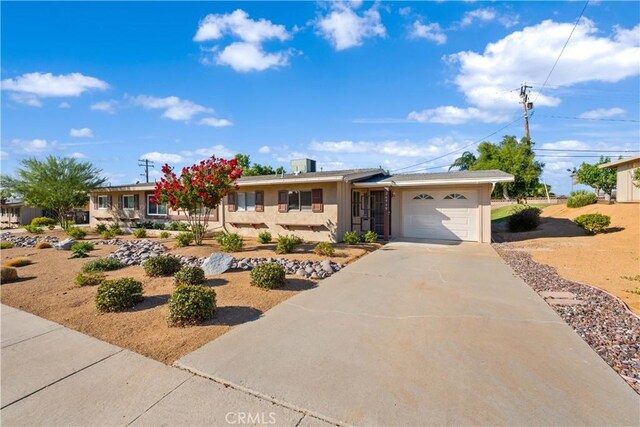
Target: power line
column 424, row 169
column 563, row 156
column 587, row 118
column 586, row 151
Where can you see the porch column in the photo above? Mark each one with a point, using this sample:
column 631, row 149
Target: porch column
column 387, row 213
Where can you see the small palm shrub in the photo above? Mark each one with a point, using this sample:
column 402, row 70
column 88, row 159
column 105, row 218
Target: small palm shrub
column 324, row 249
column 370, row 236
column 9, row 245
column 8, row 274
column 17, row 262
column 164, row 234
column 351, row 238
column 107, row 234
column 184, row 239
column 118, row 295
column 43, row 245
column 286, row 244
column 76, row 233
column 101, row 228
column 81, row 249
column 191, row 304
column 102, row 264
column 89, row 279
column 268, row 275
column 139, row 233
column 264, row 237
column 115, row 229
column 190, row 275
column 33, row 229
column 161, row 265
column 524, row 219
column 593, row 223
column 229, row 242
column 580, row 198
column 43, row 221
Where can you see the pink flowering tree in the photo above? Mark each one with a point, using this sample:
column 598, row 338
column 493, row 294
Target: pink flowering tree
column 198, row 190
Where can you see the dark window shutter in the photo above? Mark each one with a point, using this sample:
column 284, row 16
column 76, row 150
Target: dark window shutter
column 213, row 215
column 231, row 202
column 259, row 201
column 121, row 201
column 95, row 202
column 109, row 205
column 136, row 201
column 316, row 201
column 283, row 201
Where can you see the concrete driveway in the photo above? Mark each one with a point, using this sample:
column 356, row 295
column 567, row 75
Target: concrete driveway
column 422, row 334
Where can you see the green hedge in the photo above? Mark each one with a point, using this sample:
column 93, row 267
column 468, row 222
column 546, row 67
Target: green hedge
column 268, row 275
column 118, row 295
column 161, row 265
column 594, row 223
column 190, row 275
column 190, row 304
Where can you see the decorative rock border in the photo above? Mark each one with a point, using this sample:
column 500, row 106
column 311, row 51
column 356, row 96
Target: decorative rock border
column 21, row 241
column 602, row 320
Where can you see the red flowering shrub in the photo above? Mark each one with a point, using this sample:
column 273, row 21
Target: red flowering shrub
column 198, row 190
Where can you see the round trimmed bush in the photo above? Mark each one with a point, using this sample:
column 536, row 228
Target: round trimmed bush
column 268, row 275
column 191, row 304
column 524, row 219
column 43, row 221
column 324, row 249
column 161, row 265
column 581, row 198
column 118, row 295
column 286, row 244
column 594, row 223
column 190, row 275
column 139, row 233
column 230, row 242
column 76, row 233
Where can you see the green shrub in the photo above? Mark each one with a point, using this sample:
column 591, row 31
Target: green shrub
column 116, row 230
column 81, row 249
column 264, row 237
column 103, row 264
column 351, row 238
column 118, row 295
column 229, row 242
column 581, row 198
column 43, row 221
column 17, row 262
column 164, row 234
column 139, row 233
column 523, row 218
column 286, row 244
column 101, row 228
column 33, row 229
column 8, row 274
column 190, row 275
column 268, row 275
column 89, row 279
column 370, row 237
column 161, row 265
column 6, row 245
column 593, row 223
column 324, row 249
column 184, row 239
column 190, row 304
column 107, row 234
column 76, row 233
column 43, row 245
column 177, row 226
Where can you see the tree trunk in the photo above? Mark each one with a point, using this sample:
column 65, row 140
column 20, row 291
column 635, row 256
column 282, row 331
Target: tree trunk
column 505, row 193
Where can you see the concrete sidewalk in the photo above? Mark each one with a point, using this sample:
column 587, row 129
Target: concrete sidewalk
column 422, row 334
column 55, row 376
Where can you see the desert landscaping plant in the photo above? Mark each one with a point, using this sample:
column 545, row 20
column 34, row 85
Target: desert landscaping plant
column 184, row 239
column 593, row 223
column 76, row 233
column 17, row 262
column 8, row 274
column 580, row 198
column 118, row 295
column 370, row 236
column 6, row 245
column 190, row 275
column 107, row 234
column 103, row 264
column 351, row 238
column 191, row 304
column 286, row 244
column 264, row 237
column 139, row 233
column 161, row 265
column 33, row 229
column 89, row 279
column 268, row 275
column 43, row 245
column 164, row 234
column 524, row 218
column 101, row 228
column 177, row 226
column 324, row 249
column 229, row 242
column 635, row 278
column 43, row 221
column 115, row 229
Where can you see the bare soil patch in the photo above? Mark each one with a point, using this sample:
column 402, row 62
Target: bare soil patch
column 603, row 260
column 47, row 289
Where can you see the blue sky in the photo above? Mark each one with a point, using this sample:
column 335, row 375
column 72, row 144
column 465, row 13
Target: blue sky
column 348, row 84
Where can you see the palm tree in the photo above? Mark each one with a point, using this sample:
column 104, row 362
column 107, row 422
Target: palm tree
column 464, row 162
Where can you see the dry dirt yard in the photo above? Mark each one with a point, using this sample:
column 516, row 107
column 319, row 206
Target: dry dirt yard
column 47, row 289
column 603, row 260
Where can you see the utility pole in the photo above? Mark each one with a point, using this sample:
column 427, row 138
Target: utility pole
column 146, row 164
column 526, row 106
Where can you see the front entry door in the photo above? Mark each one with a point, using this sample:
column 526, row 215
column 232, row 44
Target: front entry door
column 377, row 212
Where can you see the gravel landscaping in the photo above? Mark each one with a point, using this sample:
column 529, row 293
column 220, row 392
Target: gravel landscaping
column 26, row 241
column 602, row 320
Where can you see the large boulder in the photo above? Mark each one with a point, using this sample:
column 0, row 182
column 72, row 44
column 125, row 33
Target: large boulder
column 65, row 245
column 217, row 263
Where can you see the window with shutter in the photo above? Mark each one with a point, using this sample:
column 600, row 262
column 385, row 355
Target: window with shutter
column 231, row 202
column 283, row 201
column 317, row 205
column 259, row 201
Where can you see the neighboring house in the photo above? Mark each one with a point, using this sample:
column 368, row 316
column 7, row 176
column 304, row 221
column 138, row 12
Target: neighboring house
column 14, row 213
column 322, row 206
column 626, row 190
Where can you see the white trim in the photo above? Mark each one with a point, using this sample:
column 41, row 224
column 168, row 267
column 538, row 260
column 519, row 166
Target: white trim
column 155, row 214
column 430, row 182
column 106, row 196
column 134, row 202
column 619, row 162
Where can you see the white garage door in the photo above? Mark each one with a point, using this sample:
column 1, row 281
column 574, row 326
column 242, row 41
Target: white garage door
column 446, row 215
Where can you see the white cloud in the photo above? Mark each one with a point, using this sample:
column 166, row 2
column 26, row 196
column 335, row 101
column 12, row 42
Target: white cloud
column 386, row 148
column 162, row 157
column 344, row 28
column 488, row 79
column 81, row 133
column 174, row 107
column 569, row 144
column 483, row 15
column 3, row 155
column 30, row 87
column 602, row 113
column 265, row 149
column 189, row 156
column 106, row 106
column 77, row 155
column 64, row 105
column 431, row 32
column 33, row 146
column 454, row 115
column 217, row 150
column 247, row 54
column 214, row 122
